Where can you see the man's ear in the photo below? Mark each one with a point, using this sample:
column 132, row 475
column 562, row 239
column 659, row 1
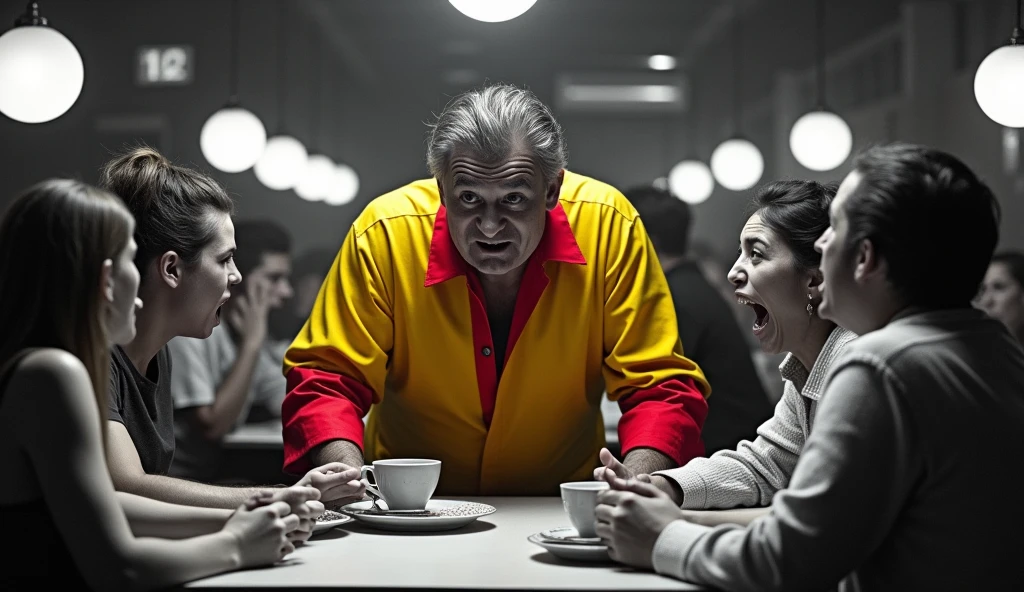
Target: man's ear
column 170, row 268
column 554, row 190
column 868, row 264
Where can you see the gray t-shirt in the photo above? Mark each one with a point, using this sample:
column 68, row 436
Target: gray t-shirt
column 907, row 481
column 143, row 404
column 201, row 366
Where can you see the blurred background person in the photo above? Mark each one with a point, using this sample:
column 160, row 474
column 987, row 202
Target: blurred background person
column 308, row 272
column 234, row 375
column 707, row 327
column 1002, row 291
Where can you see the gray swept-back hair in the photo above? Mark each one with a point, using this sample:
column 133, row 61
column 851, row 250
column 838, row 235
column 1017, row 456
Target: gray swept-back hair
column 491, row 122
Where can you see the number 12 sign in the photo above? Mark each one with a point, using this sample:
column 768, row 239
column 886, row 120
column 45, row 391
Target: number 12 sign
column 164, row 65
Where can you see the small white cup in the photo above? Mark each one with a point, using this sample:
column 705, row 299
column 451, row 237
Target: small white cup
column 580, row 500
column 404, row 483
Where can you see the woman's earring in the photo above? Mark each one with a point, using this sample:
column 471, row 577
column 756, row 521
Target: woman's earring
column 810, row 305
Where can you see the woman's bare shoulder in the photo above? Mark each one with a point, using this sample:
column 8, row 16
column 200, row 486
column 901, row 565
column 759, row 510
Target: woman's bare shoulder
column 52, row 369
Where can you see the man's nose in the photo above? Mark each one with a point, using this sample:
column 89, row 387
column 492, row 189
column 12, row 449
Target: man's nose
column 490, row 223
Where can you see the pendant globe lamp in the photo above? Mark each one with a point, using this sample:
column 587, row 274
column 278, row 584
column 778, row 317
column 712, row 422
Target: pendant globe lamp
column 820, row 140
column 316, row 179
column 233, row 138
column 999, row 81
column 737, row 163
column 492, row 11
column 41, row 71
column 690, row 179
column 344, row 181
column 284, row 158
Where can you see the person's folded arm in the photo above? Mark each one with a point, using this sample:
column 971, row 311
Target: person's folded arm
column 153, row 518
column 337, row 364
column 662, row 394
column 129, row 476
column 751, row 475
column 849, row 486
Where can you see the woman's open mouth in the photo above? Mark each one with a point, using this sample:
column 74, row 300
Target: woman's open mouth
column 761, row 316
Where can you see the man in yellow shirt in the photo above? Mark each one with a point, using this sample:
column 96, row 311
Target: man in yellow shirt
column 483, row 313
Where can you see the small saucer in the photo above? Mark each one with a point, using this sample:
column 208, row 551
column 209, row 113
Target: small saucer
column 324, row 525
column 452, row 514
column 569, row 536
column 571, row 551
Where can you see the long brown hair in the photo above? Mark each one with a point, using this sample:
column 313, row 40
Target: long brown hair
column 54, row 239
column 171, row 204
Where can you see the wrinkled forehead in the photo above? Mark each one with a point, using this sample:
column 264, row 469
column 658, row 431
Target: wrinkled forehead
column 467, row 169
column 756, row 231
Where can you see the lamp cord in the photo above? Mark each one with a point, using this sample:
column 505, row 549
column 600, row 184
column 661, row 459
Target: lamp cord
column 316, row 133
column 820, row 53
column 282, row 73
column 737, row 68
column 1018, row 27
column 234, row 41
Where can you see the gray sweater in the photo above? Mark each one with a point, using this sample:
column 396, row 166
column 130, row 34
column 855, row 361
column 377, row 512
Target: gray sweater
column 901, row 483
column 750, row 475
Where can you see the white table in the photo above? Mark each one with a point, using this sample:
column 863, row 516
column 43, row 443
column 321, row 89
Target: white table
column 489, row 554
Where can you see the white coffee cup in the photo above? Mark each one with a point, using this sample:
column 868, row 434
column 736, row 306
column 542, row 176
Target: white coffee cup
column 580, row 500
column 404, row 483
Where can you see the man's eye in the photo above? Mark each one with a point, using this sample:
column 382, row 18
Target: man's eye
column 515, row 199
column 469, row 198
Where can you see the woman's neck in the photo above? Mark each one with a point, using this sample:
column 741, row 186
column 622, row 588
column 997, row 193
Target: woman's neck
column 813, row 342
column 151, row 335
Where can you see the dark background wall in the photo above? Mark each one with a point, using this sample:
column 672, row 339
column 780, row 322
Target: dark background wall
column 384, row 67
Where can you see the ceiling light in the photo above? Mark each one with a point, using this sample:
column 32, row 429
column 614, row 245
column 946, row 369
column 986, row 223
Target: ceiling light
column 691, row 181
column 999, row 82
column 492, row 11
column 41, row 72
column 661, row 62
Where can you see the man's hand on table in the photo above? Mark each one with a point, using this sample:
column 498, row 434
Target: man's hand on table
column 337, row 483
column 630, row 517
column 611, row 469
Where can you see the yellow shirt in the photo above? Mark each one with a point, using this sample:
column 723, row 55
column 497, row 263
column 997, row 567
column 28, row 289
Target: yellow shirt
column 400, row 324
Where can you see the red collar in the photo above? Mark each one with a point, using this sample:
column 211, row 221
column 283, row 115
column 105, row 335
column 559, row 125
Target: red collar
column 557, row 244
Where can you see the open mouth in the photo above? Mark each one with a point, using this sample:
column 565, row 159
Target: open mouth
column 493, row 247
column 761, row 316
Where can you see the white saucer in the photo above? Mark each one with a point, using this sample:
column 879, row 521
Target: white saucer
column 568, row 535
column 322, row 525
column 421, row 523
column 572, row 552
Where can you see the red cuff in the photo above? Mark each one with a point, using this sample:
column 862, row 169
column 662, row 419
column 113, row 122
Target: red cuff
column 320, row 406
column 666, row 417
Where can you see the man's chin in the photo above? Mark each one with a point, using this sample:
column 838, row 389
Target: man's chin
column 492, row 267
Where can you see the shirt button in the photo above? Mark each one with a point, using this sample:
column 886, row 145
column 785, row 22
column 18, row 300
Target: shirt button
column 486, row 351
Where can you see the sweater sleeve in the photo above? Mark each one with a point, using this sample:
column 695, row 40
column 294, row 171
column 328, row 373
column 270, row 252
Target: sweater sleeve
column 751, row 475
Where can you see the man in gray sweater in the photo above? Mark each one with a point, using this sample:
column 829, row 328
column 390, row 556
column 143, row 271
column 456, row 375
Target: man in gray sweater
column 917, row 418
